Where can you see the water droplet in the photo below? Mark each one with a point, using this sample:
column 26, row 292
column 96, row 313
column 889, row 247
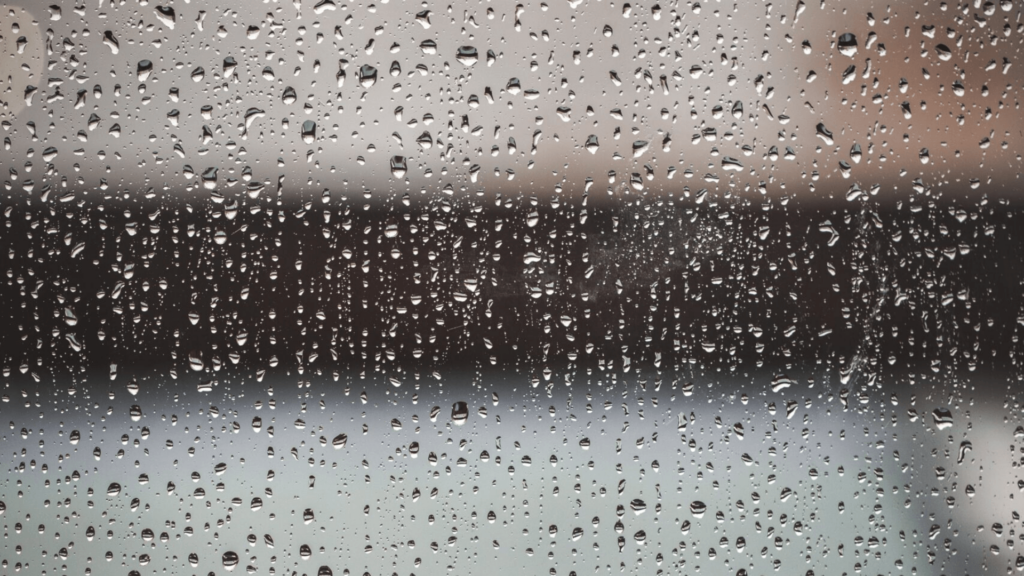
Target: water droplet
column 309, row 132
column 111, row 42
column 143, row 70
column 467, row 55
column 847, row 44
column 943, row 418
column 367, row 75
column 698, row 508
column 460, row 412
column 195, row 360
column 323, row 6
column 781, row 382
column 209, row 178
column 165, row 14
column 339, row 441
column 398, row 166
column 824, row 133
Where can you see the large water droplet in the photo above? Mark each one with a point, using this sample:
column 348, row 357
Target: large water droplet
column 943, row 418
column 309, row 132
column 165, row 14
column 698, row 508
column 460, row 412
column 143, row 70
column 398, row 166
column 847, row 44
column 111, row 42
column 467, row 55
column 367, row 75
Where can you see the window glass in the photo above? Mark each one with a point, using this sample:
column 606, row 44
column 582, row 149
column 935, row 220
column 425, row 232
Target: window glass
column 383, row 287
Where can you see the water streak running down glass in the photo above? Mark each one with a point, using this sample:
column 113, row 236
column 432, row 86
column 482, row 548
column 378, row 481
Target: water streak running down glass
column 331, row 287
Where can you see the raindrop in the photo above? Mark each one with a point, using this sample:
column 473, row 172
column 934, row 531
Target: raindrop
column 195, row 360
column 367, row 75
column 229, row 560
column 339, row 441
column 467, row 55
column 460, row 412
column 309, row 132
column 143, row 70
column 209, row 178
column 398, row 166
column 698, row 508
column 165, row 14
column 111, row 42
column 825, row 134
column 943, row 418
column 251, row 115
column 781, row 382
column 323, row 6
column 856, row 153
column 847, row 44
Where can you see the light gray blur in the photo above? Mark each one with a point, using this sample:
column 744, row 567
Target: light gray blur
column 803, row 477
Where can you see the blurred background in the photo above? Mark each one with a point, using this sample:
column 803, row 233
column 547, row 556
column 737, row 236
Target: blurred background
column 285, row 100
column 582, row 287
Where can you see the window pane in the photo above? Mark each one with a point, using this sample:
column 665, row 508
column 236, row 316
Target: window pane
column 588, row 287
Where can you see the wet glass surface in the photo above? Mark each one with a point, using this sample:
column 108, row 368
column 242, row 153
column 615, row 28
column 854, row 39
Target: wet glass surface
column 587, row 287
